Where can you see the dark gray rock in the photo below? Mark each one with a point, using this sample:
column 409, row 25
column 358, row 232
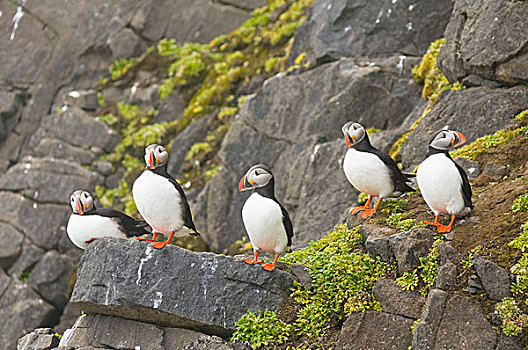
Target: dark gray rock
column 50, row 278
column 21, row 311
column 409, row 246
column 496, row 171
column 48, row 180
column 49, row 146
column 126, row 44
column 464, row 326
column 177, row 338
column 10, row 245
column 446, row 253
column 490, row 110
column 495, row 279
column 39, row 339
column 244, row 4
column 208, row 342
column 70, row 314
column 188, row 20
column 471, row 167
column 486, row 43
column 446, row 276
column 4, row 281
column 338, row 28
column 29, row 256
column 509, row 343
column 193, row 133
column 101, row 331
column 473, row 285
column 171, row 108
column 426, row 330
column 103, row 167
column 379, row 246
column 362, row 331
column 174, row 287
column 47, row 222
column 396, row 301
column 67, row 126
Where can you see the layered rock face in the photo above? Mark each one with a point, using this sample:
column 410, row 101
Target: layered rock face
column 360, row 55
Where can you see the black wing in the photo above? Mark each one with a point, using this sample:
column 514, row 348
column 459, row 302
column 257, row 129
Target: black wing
column 466, row 187
column 400, row 181
column 187, row 216
column 131, row 226
column 286, row 221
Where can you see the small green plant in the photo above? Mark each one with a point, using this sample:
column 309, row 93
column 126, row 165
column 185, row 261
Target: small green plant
column 520, row 269
column 513, row 320
column 427, row 268
column 262, row 330
column 398, row 220
column 101, row 101
column 119, row 68
column 521, row 116
column 520, row 203
column 466, row 264
column 108, row 118
column 393, row 205
column 24, row 276
column 409, row 280
column 413, row 327
column 58, row 335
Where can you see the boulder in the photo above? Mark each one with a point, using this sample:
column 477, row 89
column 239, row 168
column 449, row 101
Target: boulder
column 39, row 339
column 489, row 109
column 495, row 279
column 471, row 167
column 29, row 256
column 347, row 28
column 10, row 245
column 21, row 311
column 486, row 43
column 174, row 287
column 426, row 330
column 496, row 171
column 50, row 277
column 375, row 330
column 126, row 44
column 446, row 276
column 396, row 301
column 409, row 246
column 48, row 180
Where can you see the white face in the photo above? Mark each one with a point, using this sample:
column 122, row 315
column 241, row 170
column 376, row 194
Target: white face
column 353, row 132
column 256, row 176
column 443, row 140
column 81, row 202
column 155, row 156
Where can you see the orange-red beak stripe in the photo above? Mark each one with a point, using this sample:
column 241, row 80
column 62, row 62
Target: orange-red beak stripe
column 461, row 138
column 80, row 207
column 152, row 164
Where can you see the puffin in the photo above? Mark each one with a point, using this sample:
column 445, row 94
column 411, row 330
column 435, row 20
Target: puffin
column 370, row 170
column 160, row 199
column 87, row 222
column 267, row 222
column 442, row 182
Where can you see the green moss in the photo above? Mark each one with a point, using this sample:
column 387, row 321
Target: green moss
column 101, row 101
column 197, row 149
column 521, row 116
column 520, row 269
column 398, row 221
column 108, row 118
column 270, row 63
column 479, row 146
column 24, row 276
column 119, row 68
column 342, row 279
column 227, row 112
column 262, row 330
column 520, row 203
column 513, row 320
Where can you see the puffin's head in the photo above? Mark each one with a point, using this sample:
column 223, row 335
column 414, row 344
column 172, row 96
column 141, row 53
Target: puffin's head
column 155, row 156
column 354, row 133
column 257, row 176
column 81, row 202
column 447, row 139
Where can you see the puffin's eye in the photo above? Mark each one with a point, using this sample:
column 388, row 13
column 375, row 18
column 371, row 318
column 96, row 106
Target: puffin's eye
column 257, row 173
column 73, row 200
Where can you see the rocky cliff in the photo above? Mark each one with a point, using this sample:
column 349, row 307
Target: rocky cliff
column 84, row 86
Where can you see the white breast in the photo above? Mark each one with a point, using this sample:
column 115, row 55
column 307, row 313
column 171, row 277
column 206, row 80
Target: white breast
column 440, row 185
column 263, row 221
column 82, row 228
column 367, row 173
column 158, row 202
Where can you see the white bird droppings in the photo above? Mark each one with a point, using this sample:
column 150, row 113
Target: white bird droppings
column 74, row 94
column 16, row 20
column 401, row 59
column 148, row 256
column 314, row 153
column 158, row 300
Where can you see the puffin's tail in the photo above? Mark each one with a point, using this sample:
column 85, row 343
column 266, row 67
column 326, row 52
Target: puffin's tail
column 139, row 229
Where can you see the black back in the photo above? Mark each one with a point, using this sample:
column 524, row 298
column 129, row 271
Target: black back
column 466, row 187
column 268, row 191
column 131, row 227
column 398, row 179
column 187, row 216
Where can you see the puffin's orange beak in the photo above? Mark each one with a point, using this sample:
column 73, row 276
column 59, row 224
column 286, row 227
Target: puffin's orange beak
column 347, row 140
column 461, row 138
column 152, row 162
column 244, row 184
column 80, row 207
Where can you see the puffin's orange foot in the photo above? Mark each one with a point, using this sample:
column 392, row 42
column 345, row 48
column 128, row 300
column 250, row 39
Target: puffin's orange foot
column 145, row 239
column 367, row 212
column 159, row 245
column 356, row 210
column 90, row 240
column 252, row 262
column 443, row 229
column 268, row 267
